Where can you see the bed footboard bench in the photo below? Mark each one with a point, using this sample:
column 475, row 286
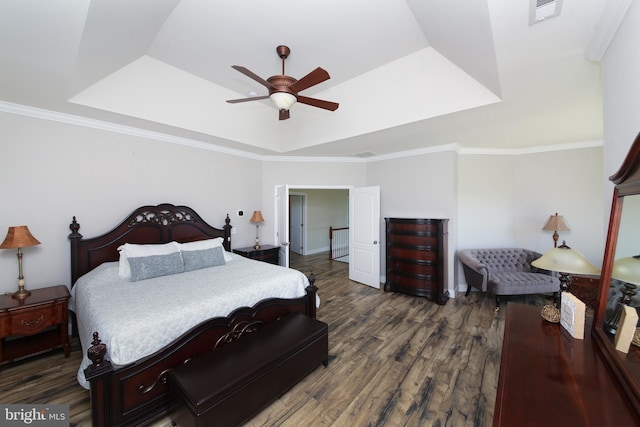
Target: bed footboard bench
column 228, row 386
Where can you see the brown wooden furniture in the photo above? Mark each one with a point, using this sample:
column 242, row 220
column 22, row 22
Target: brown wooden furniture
column 266, row 253
column 36, row 324
column 622, row 239
column 586, row 288
column 548, row 378
column 138, row 393
column 229, row 386
column 417, row 257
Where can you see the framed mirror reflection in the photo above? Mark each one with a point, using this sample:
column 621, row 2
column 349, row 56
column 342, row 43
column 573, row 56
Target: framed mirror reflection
column 615, row 322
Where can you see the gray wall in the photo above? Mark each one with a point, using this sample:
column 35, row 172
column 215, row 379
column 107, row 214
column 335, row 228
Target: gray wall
column 52, row 171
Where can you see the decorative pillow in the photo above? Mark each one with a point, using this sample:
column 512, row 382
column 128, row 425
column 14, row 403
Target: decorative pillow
column 147, row 267
column 129, row 250
column 203, row 258
column 206, row 244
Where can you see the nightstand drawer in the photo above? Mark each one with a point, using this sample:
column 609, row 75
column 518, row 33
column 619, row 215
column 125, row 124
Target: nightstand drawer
column 266, row 253
column 34, row 320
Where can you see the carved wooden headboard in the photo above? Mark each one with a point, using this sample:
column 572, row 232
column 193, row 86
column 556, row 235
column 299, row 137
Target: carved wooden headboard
column 146, row 225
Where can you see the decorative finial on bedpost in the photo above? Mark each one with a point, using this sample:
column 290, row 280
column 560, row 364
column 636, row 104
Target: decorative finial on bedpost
column 96, row 352
column 100, row 369
column 227, row 233
column 312, row 291
column 74, row 227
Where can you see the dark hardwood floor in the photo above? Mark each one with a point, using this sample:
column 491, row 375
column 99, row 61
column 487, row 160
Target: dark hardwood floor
column 395, row 360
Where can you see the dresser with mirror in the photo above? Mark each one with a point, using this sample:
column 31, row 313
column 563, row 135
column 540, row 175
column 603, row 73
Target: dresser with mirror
column 617, row 287
column 548, row 377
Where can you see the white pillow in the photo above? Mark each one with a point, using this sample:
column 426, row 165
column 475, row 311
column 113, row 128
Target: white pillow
column 205, row 244
column 130, row 250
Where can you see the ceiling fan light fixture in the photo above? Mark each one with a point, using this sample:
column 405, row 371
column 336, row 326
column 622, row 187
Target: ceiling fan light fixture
column 283, row 100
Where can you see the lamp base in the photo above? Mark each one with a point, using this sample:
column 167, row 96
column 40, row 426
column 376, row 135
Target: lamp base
column 21, row 293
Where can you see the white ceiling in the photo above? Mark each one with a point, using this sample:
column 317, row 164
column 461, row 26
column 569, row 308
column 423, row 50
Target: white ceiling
column 408, row 74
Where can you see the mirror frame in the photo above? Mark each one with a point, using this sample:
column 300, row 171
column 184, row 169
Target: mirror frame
column 627, row 183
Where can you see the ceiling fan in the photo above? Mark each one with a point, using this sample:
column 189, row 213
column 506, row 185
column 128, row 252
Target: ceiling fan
column 283, row 90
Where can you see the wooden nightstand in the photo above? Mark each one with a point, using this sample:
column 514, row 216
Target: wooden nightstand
column 266, row 253
column 35, row 324
column 585, row 288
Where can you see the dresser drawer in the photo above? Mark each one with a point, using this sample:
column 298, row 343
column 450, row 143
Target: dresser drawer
column 412, row 254
column 34, row 320
column 413, row 240
column 412, row 282
column 425, row 268
column 403, row 227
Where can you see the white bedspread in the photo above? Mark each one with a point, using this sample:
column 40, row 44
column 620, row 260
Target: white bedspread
column 135, row 319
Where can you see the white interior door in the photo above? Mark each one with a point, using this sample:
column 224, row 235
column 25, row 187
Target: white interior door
column 364, row 235
column 282, row 230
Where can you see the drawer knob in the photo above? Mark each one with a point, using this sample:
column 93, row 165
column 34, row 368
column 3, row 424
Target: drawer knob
column 32, row 322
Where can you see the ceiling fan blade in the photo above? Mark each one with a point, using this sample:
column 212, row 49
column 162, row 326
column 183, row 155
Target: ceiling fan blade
column 314, row 102
column 253, row 98
column 253, row 75
column 313, row 78
column 284, row 114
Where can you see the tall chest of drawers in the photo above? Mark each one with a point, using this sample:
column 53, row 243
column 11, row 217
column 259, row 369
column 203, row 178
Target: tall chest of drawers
column 417, row 257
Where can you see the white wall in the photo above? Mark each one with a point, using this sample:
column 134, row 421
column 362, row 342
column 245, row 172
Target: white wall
column 303, row 175
column 421, row 186
column 497, row 200
column 504, row 200
column 568, row 182
column 621, row 93
column 52, row 171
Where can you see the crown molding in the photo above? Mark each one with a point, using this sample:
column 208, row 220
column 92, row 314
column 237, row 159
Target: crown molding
column 56, row 116
column 529, row 150
column 159, row 136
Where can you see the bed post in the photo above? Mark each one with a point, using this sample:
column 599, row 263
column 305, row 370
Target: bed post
column 74, row 237
column 312, row 290
column 99, row 374
column 227, row 233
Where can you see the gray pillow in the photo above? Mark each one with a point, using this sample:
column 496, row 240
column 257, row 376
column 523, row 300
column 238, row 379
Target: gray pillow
column 203, row 258
column 147, row 267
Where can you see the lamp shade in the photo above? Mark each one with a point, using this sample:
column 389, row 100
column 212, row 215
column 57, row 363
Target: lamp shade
column 19, row 237
column 283, row 100
column 556, row 223
column 257, row 217
column 627, row 270
column 565, row 260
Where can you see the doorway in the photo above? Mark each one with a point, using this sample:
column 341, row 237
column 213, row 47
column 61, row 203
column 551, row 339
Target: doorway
column 322, row 211
column 297, row 209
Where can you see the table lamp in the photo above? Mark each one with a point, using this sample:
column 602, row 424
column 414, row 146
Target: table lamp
column 19, row 237
column 565, row 261
column 257, row 219
column 554, row 223
column 627, row 271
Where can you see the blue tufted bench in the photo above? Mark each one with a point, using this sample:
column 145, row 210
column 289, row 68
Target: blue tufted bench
column 505, row 271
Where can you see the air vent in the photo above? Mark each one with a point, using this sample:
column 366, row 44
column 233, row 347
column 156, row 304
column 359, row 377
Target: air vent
column 541, row 10
column 365, row 154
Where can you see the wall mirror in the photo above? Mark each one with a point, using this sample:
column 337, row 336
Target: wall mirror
column 619, row 281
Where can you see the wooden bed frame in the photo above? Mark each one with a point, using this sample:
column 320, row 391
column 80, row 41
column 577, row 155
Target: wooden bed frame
column 137, row 393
